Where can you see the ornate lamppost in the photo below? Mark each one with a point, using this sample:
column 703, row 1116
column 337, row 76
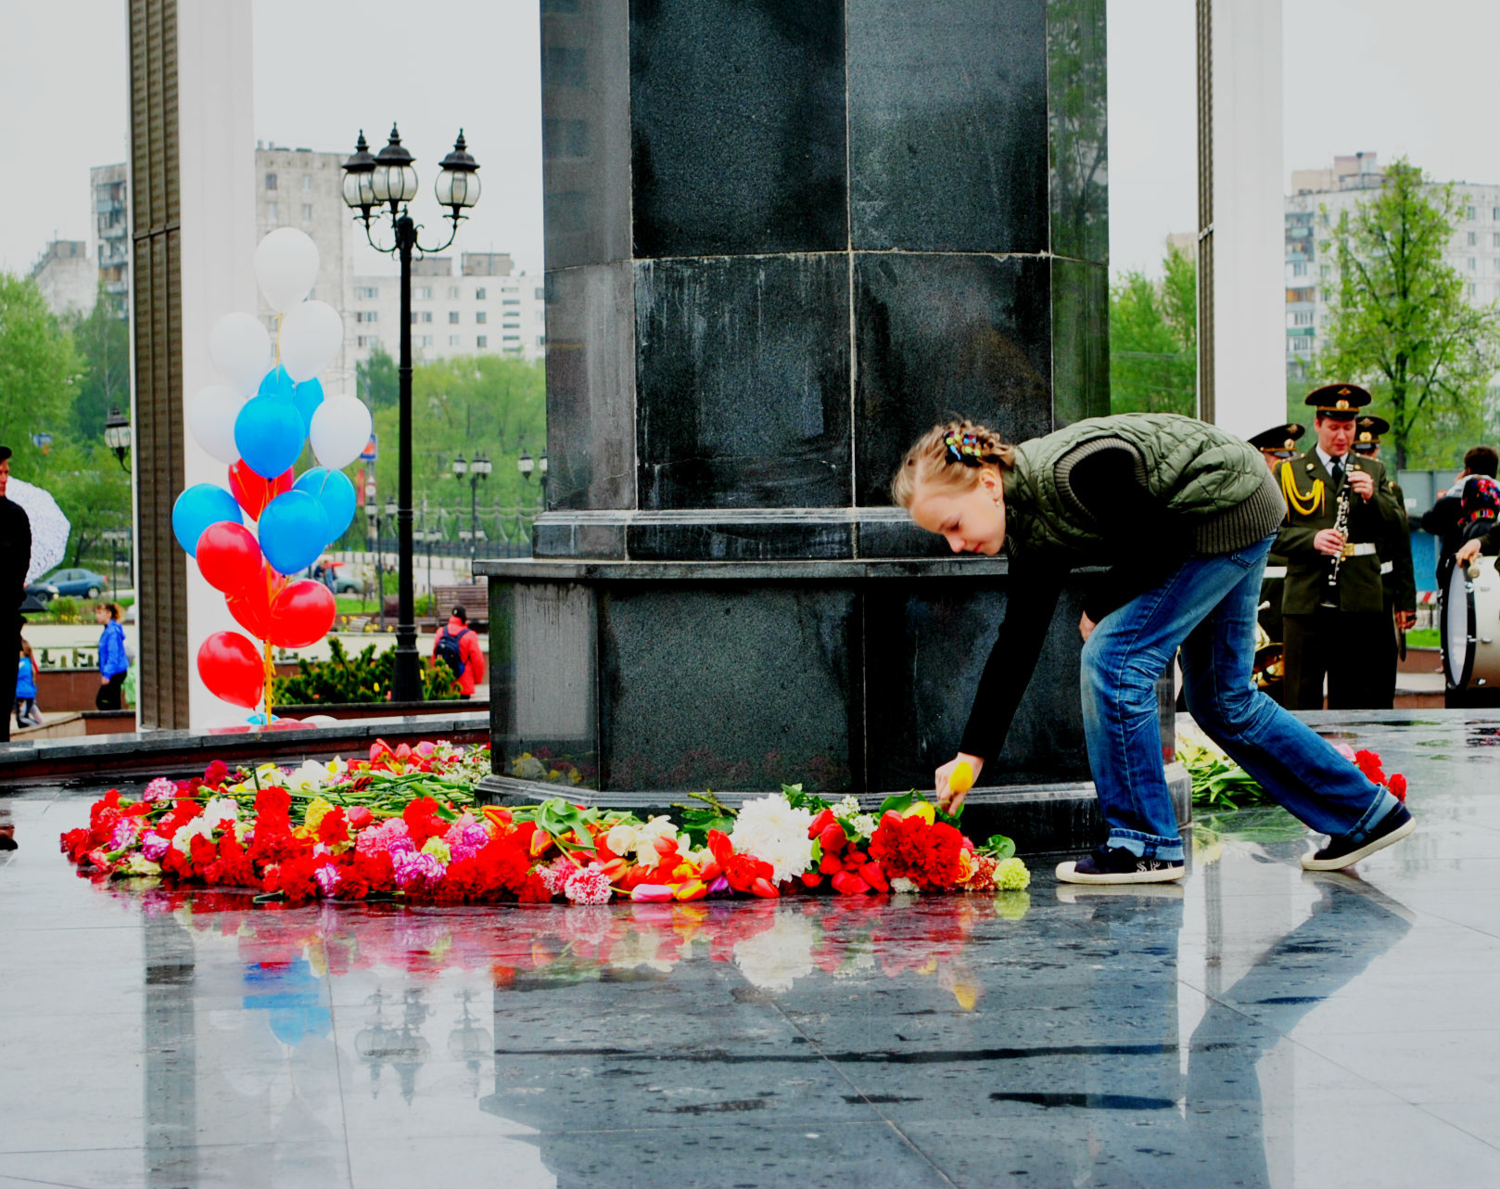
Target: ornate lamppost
column 389, row 179
column 477, row 470
column 117, row 434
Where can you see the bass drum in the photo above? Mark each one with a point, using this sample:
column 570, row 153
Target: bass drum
column 1471, row 627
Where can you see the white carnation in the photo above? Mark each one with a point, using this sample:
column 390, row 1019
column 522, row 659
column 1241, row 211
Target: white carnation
column 770, row 829
column 902, row 884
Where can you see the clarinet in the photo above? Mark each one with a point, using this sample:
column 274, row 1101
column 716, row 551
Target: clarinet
column 1340, row 526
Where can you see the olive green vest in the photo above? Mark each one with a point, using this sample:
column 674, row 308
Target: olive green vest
column 1205, row 478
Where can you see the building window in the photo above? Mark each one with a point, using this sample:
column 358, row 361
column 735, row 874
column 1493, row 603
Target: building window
column 1495, row 214
column 453, row 291
column 367, row 315
column 1323, row 270
column 1473, row 214
column 1497, row 237
column 366, row 292
column 270, row 181
column 479, row 293
column 541, row 340
column 424, row 293
column 511, row 326
column 307, row 212
column 421, row 316
column 453, row 340
column 512, row 338
column 1302, row 318
column 273, row 213
column 453, row 317
column 541, row 291
column 483, row 340
column 1473, row 238
column 1299, row 269
column 424, row 340
column 1473, row 264
column 306, row 181
column 367, row 340
column 1471, row 289
column 481, row 317
column 541, row 315
column 511, row 301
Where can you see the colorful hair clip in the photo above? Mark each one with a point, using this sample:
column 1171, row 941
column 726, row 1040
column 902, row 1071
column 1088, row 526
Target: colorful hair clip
column 963, row 448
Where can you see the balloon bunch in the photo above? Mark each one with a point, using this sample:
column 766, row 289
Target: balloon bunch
column 256, row 423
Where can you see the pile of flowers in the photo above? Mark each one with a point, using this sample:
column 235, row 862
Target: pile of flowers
column 1220, row 783
column 404, row 823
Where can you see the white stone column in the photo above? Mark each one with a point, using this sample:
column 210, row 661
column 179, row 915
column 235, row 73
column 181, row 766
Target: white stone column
column 216, row 130
column 1249, row 298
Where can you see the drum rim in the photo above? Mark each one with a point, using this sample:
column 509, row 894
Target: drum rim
column 1471, row 634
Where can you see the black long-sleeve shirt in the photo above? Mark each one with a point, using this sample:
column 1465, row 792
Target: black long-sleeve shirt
column 15, row 555
column 1142, row 546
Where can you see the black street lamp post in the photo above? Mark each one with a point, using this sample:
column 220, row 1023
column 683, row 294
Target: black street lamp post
column 117, row 434
column 477, row 470
column 390, row 179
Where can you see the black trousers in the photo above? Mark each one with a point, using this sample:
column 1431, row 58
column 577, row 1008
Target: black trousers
column 1349, row 648
column 108, row 697
column 10, row 629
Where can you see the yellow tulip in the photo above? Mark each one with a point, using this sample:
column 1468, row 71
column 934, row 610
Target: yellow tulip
column 961, row 779
column 921, row 809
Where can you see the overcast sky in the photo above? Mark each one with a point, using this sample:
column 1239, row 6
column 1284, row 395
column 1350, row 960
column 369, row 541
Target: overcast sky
column 1358, row 74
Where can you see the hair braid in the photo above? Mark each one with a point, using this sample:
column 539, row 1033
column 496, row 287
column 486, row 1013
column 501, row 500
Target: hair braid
column 950, row 455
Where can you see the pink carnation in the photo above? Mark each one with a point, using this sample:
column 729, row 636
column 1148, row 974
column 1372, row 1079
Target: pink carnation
column 154, row 847
column 328, row 877
column 589, row 885
column 390, row 836
column 413, row 867
column 161, row 789
column 556, row 875
column 123, row 834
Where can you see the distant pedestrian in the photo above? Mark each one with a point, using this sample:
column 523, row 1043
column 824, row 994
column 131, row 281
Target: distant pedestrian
column 1465, row 511
column 15, row 560
column 27, row 715
column 113, row 663
column 457, row 645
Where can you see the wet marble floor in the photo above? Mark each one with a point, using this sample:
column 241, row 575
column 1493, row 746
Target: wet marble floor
column 1259, row 1026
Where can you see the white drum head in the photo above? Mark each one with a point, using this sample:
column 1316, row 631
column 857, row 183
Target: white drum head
column 1458, row 659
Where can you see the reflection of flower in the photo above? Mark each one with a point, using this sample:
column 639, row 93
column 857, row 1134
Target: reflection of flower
column 774, row 959
column 771, row 830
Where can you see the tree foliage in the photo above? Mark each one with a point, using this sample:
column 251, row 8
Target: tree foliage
column 1400, row 323
column 376, row 382
column 102, row 342
column 1153, row 340
column 38, row 367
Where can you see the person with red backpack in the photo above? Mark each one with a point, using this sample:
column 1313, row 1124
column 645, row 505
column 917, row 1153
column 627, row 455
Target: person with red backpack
column 457, row 646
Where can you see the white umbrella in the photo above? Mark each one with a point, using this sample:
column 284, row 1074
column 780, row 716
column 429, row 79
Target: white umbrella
column 49, row 527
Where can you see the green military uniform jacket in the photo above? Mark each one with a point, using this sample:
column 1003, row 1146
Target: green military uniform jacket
column 1370, row 522
column 1400, row 580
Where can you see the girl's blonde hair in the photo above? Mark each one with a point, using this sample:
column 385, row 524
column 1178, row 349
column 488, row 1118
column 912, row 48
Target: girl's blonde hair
column 113, row 609
column 950, row 456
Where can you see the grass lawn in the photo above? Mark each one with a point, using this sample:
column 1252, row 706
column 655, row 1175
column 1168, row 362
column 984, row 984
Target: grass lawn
column 1423, row 638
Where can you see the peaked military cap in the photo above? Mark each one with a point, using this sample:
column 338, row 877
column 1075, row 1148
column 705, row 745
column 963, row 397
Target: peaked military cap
column 1278, row 437
column 1371, row 428
column 1343, row 401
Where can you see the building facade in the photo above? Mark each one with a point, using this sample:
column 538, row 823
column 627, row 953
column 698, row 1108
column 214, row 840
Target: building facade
column 1319, row 196
column 109, row 186
column 485, row 309
column 66, row 276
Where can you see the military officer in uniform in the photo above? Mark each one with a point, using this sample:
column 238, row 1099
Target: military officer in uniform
column 1333, row 601
column 1397, row 576
column 1276, row 445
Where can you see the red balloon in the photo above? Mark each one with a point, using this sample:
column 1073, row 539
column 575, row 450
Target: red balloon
column 232, row 669
column 254, row 492
column 302, row 614
column 251, row 608
column 229, row 557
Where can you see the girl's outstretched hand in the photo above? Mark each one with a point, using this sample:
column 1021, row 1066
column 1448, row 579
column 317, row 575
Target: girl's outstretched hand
column 950, row 792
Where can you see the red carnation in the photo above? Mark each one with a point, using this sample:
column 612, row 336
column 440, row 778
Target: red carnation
column 422, row 819
column 216, row 773
column 1397, row 785
column 333, row 829
column 908, row 848
column 1368, row 762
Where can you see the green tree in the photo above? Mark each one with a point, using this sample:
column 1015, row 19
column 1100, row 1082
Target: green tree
column 39, row 369
column 1153, row 340
column 1400, row 323
column 375, row 380
column 102, row 342
column 93, row 491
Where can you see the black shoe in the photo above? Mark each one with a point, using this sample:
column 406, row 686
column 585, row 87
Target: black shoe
column 1343, row 851
column 7, row 840
column 1115, row 864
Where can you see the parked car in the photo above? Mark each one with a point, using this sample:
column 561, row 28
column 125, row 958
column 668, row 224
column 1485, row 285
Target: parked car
column 42, row 591
column 346, row 586
column 77, row 583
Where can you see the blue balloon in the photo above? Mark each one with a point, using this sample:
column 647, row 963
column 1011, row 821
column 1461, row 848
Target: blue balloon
column 278, row 384
column 333, row 490
column 307, row 396
column 269, row 434
column 293, row 531
column 198, row 507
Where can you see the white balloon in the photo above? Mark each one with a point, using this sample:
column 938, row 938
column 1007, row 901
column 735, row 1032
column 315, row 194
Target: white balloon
column 340, row 431
column 286, row 265
column 311, row 334
column 210, row 417
column 241, row 349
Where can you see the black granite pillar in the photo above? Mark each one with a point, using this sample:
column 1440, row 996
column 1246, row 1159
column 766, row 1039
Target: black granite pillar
column 784, row 237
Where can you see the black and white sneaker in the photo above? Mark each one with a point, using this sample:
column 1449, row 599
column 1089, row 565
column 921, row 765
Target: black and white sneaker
column 1341, row 852
column 1115, row 865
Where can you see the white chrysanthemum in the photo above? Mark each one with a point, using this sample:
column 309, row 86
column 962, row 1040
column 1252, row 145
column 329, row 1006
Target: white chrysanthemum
column 773, row 960
column 902, row 884
column 770, row 829
column 220, row 809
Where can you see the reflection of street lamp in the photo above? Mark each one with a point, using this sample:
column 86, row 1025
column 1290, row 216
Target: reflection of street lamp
column 117, row 434
column 389, row 179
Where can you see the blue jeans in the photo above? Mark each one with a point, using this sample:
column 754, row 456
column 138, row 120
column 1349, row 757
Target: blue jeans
column 1207, row 609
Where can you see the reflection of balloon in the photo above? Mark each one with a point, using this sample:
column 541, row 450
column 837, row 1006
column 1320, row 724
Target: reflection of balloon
column 340, row 431
column 293, row 531
column 210, row 417
column 333, row 490
column 307, row 396
column 252, row 609
column 241, row 350
column 276, row 383
column 286, row 265
column 254, row 492
column 302, row 614
column 198, row 507
column 311, row 335
column 231, row 668
column 269, row 434
column 228, row 557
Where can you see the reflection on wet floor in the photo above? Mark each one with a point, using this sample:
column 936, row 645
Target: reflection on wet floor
column 1259, row 1026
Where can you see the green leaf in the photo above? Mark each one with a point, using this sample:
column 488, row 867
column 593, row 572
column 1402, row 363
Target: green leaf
column 999, row 846
column 898, row 803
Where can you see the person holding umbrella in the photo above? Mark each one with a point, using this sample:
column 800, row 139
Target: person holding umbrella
column 15, row 561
